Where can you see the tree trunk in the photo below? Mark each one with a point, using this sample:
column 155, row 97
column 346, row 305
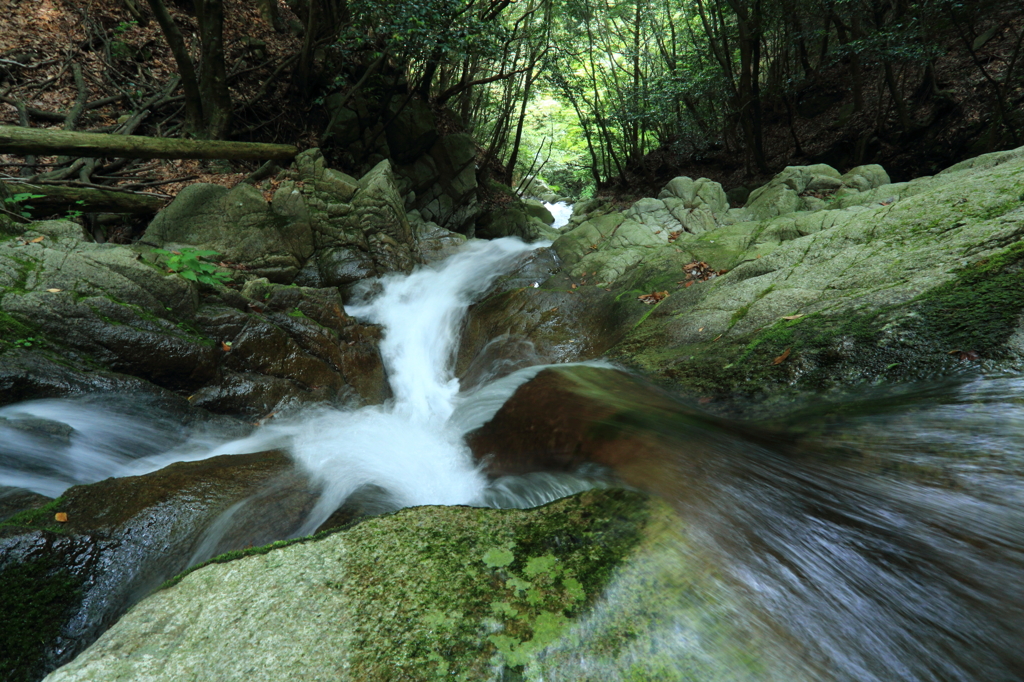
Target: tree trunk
column 189, row 81
column 213, row 78
column 16, row 140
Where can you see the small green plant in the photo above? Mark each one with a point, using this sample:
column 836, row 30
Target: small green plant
column 17, row 201
column 25, row 342
column 75, row 214
column 189, row 264
column 124, row 27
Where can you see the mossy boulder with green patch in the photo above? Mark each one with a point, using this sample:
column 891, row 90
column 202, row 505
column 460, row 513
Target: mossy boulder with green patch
column 425, row 593
column 922, row 286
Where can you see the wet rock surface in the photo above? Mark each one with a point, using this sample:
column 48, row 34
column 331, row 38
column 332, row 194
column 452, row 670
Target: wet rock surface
column 77, row 317
column 72, row 567
column 423, row 592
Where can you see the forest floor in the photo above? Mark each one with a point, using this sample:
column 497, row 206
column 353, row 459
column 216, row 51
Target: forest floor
column 56, row 53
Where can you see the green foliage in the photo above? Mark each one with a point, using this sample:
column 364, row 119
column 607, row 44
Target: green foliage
column 16, row 201
column 75, row 214
column 190, row 264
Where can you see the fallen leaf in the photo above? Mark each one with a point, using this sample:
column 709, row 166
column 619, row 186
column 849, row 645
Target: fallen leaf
column 705, row 400
column 967, row 355
column 782, row 358
column 37, row 240
column 60, row 517
column 607, row 289
column 793, row 317
column 758, row 255
column 701, row 329
column 553, row 309
column 573, row 286
column 688, row 284
column 54, row 291
column 717, row 337
column 653, row 297
column 225, row 346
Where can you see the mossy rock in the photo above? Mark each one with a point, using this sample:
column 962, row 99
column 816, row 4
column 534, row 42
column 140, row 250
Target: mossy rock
column 425, row 593
column 65, row 582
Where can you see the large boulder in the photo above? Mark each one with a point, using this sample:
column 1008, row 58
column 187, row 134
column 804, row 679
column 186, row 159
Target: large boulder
column 76, row 316
column 427, row 593
column 271, row 240
column 359, row 228
column 893, row 282
column 63, row 584
column 321, row 228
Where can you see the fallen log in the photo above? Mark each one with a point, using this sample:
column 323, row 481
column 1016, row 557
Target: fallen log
column 40, row 141
column 48, row 200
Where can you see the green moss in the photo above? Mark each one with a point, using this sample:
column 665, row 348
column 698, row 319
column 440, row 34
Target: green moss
column 41, row 517
column 12, row 330
column 974, row 312
column 507, row 593
column 36, row 598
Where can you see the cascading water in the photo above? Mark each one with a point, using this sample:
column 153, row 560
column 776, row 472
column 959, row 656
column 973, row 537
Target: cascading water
column 886, row 545
column 411, row 451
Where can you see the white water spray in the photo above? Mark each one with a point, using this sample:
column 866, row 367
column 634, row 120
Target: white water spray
column 409, row 448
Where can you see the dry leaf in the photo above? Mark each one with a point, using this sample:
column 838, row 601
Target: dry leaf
column 54, row 291
column 37, row 240
column 688, row 284
column 717, row 337
column 573, row 286
column 225, row 346
column 553, row 309
column 793, row 317
column 701, row 329
column 60, row 517
column 705, row 400
column 782, row 358
column 653, row 297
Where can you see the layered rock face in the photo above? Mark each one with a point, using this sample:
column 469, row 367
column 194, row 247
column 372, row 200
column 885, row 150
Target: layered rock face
column 821, row 281
column 76, row 316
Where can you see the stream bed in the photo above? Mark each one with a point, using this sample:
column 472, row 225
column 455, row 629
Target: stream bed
column 881, row 538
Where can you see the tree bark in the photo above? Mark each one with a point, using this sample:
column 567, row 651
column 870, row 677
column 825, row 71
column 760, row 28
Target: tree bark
column 189, row 81
column 213, row 77
column 16, row 140
column 57, row 199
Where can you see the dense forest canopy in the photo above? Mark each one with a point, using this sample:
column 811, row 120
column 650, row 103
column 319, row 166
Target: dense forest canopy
column 585, row 94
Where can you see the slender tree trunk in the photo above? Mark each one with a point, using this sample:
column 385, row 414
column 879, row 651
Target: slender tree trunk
column 189, row 81
column 213, row 78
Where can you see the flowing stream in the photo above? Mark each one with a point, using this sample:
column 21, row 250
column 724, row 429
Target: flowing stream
column 877, row 539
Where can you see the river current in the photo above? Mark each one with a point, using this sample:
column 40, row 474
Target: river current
column 877, row 539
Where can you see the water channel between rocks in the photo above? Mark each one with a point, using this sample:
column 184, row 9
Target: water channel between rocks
column 885, row 543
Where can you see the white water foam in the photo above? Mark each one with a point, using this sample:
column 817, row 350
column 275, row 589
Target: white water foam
column 412, row 448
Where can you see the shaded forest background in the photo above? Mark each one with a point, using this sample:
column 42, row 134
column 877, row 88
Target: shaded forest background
column 595, row 97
